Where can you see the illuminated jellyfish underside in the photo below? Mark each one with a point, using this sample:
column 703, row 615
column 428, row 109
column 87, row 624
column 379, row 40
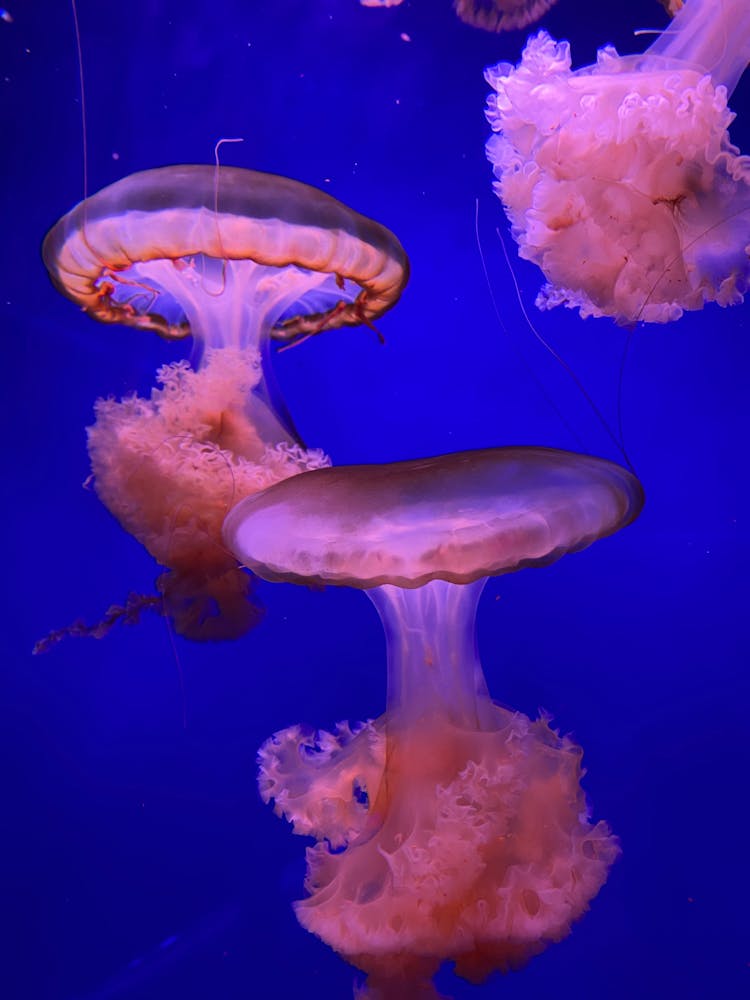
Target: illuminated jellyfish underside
column 450, row 828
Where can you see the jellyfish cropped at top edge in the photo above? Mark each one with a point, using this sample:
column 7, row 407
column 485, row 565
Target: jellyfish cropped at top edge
column 671, row 6
column 450, row 828
column 232, row 257
column 491, row 15
column 620, row 180
column 501, row 15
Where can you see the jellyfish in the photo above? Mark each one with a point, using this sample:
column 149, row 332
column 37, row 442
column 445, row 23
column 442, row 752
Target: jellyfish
column 492, row 15
column 501, row 15
column 620, row 180
column 232, row 257
column 449, row 828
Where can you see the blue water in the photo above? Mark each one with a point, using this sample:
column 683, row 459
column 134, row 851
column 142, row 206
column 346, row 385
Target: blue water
column 137, row 859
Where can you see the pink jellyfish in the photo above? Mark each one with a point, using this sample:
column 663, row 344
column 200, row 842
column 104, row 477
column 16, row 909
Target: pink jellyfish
column 620, row 180
column 450, row 828
column 233, row 257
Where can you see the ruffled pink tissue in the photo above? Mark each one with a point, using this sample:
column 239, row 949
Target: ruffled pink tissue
column 171, row 466
column 468, row 845
column 620, row 182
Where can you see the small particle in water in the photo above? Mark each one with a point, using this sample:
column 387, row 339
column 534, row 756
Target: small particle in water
column 404, row 37
column 6, row 15
column 115, row 156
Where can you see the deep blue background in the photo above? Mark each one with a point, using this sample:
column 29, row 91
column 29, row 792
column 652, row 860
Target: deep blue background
column 138, row 859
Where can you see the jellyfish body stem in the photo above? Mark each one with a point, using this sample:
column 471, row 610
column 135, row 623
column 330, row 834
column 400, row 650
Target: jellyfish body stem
column 433, row 664
column 229, row 304
column 713, row 35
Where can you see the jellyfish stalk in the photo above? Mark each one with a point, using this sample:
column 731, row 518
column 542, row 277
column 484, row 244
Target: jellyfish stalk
column 432, row 655
column 230, row 305
column 712, row 36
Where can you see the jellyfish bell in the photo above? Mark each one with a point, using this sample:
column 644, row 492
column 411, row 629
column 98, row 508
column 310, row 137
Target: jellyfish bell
column 620, row 180
column 491, row 15
column 501, row 15
column 258, row 229
column 233, row 258
column 466, row 833
column 458, row 517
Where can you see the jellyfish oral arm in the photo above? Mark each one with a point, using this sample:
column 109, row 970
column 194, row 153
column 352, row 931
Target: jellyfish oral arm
column 620, row 180
column 476, row 845
column 433, row 664
column 711, row 35
column 321, row 782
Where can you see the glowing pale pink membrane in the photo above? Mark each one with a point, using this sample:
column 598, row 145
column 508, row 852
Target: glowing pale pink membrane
column 457, row 829
column 619, row 180
column 232, row 257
